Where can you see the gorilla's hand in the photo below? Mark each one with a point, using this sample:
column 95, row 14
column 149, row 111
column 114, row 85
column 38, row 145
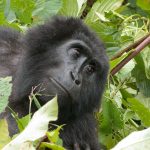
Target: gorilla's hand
column 80, row 134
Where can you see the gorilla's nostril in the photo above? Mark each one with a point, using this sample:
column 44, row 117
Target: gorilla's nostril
column 77, row 82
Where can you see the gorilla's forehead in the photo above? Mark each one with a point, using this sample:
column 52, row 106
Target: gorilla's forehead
column 57, row 32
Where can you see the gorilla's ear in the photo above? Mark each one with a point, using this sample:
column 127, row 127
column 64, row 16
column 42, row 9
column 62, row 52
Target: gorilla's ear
column 10, row 51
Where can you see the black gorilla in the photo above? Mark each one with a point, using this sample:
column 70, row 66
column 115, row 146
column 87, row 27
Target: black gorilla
column 64, row 57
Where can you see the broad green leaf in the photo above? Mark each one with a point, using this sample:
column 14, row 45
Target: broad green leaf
column 5, row 91
column 4, row 134
column 144, row 100
column 105, row 32
column 69, row 8
column 111, row 123
column 45, row 8
column 143, row 83
column 100, row 7
column 23, row 10
column 144, row 4
column 72, row 7
column 146, row 58
column 125, row 71
column 135, row 141
column 81, row 6
column 142, row 111
column 38, row 125
column 111, row 115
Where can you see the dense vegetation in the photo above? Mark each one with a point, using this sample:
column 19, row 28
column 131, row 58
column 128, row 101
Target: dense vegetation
column 124, row 26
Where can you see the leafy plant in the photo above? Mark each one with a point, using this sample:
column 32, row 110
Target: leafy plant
column 124, row 27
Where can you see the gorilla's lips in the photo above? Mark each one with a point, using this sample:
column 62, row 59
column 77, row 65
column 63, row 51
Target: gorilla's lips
column 60, row 86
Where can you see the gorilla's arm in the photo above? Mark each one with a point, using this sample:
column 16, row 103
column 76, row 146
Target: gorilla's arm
column 10, row 51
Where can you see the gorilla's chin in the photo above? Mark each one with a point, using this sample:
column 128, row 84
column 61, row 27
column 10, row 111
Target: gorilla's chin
column 60, row 86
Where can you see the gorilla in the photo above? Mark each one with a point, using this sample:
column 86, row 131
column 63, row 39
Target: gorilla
column 66, row 58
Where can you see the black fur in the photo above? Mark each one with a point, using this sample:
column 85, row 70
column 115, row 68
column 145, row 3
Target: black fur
column 64, row 57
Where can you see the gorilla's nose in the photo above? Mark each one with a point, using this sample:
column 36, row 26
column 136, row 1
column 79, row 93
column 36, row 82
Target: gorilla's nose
column 75, row 78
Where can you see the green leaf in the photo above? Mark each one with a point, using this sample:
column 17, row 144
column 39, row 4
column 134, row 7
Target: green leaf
column 144, row 100
column 5, row 91
column 135, row 141
column 144, row 4
column 51, row 146
column 143, row 83
column 141, row 110
column 146, row 58
column 23, row 10
column 23, row 122
column 116, row 61
column 4, row 134
column 111, row 115
column 54, row 135
column 100, row 7
column 38, row 125
column 72, row 7
column 125, row 71
column 45, row 8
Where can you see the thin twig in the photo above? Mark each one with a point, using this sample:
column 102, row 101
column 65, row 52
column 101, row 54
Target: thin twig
column 137, row 50
column 130, row 47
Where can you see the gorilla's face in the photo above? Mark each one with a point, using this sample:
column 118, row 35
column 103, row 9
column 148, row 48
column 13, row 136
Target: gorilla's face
column 67, row 59
column 77, row 75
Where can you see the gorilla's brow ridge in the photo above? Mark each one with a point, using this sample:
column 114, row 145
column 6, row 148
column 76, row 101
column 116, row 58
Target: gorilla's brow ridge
column 83, row 48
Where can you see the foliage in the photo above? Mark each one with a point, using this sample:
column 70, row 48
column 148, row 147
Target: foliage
column 4, row 133
column 125, row 107
column 5, row 90
column 135, row 141
column 30, row 137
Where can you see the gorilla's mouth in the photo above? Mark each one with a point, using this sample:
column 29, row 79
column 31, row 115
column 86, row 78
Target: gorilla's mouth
column 60, row 86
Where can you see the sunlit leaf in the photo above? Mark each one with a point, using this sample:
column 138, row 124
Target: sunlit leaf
column 100, row 7
column 5, row 91
column 51, row 146
column 72, row 7
column 135, row 141
column 38, row 125
column 144, row 4
column 54, row 135
column 141, row 110
column 4, row 134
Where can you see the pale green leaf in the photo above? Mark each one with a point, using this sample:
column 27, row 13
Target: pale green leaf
column 72, row 7
column 5, row 91
column 100, row 7
column 4, row 134
column 135, row 141
column 38, row 125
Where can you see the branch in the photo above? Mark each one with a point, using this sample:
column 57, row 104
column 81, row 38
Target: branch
column 137, row 50
column 130, row 47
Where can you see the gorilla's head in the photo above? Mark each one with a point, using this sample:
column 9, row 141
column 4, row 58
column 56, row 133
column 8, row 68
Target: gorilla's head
column 66, row 59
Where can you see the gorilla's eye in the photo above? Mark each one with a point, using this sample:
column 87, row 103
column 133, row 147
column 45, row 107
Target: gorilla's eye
column 74, row 53
column 90, row 69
